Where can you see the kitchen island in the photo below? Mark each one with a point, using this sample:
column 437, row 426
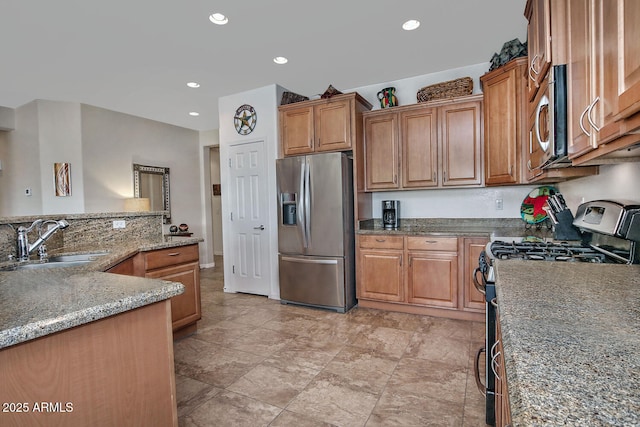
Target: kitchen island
column 82, row 347
column 571, row 342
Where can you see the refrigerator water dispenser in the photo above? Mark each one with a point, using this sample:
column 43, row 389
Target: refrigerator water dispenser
column 288, row 208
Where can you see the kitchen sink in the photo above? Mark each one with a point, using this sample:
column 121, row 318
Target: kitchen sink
column 75, row 260
column 88, row 257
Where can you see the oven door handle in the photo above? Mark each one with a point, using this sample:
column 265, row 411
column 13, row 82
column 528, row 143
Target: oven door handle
column 476, row 283
column 476, row 369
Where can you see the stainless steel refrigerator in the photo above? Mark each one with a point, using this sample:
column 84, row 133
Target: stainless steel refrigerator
column 315, row 231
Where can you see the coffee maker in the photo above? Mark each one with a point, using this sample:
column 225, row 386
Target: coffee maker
column 390, row 214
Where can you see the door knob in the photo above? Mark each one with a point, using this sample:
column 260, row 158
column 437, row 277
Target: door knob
column 261, row 227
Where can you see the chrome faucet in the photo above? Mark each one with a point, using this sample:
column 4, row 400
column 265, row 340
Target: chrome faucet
column 24, row 248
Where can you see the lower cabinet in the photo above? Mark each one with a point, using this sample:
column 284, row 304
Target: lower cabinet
column 175, row 264
column 502, row 407
column 472, row 299
column 380, row 268
column 432, row 273
column 419, row 274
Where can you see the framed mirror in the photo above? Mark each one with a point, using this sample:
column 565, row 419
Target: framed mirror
column 152, row 182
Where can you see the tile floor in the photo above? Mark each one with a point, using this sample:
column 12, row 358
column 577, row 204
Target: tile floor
column 256, row 362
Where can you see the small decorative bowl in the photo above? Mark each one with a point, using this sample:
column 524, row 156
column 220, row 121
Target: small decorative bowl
column 183, row 227
column 173, row 229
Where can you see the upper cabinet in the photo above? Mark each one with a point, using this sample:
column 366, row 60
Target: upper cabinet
column 321, row 125
column 426, row 145
column 505, row 131
column 538, row 14
column 628, row 20
column 604, row 76
column 510, row 149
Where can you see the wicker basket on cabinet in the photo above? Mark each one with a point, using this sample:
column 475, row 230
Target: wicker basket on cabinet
column 458, row 87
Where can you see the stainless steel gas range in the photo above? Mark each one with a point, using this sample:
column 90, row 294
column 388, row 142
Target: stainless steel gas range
column 609, row 232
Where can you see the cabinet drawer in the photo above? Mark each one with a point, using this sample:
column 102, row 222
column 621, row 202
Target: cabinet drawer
column 430, row 243
column 380, row 241
column 170, row 256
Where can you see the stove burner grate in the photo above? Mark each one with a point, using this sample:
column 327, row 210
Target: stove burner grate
column 547, row 251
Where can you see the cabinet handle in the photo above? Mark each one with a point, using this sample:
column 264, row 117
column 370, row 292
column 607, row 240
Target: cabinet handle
column 494, row 302
column 582, row 120
column 495, row 365
column 395, row 178
column 476, row 370
column 444, row 176
column 400, row 260
column 510, row 170
column 174, row 254
column 532, row 68
column 434, row 177
column 381, row 240
column 431, row 241
column 476, row 282
column 591, row 122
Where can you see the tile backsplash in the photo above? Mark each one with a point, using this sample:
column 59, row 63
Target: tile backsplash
column 85, row 231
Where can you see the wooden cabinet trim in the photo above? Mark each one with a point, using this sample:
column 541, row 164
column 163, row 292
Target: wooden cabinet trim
column 430, row 243
column 170, row 256
column 381, row 241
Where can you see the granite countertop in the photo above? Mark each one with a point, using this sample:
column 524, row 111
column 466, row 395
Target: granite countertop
column 571, row 342
column 471, row 227
column 38, row 302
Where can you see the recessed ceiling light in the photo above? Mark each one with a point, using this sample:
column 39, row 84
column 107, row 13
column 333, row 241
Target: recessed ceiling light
column 193, row 84
column 194, row 113
column 280, row 60
column 411, row 24
column 218, row 18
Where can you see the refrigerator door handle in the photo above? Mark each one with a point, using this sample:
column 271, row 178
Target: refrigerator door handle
column 307, row 205
column 310, row 261
column 301, row 206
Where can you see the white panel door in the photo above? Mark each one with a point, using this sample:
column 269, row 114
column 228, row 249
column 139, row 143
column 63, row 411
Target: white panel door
column 249, row 201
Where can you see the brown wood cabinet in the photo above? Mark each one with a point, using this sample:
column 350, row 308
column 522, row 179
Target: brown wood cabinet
column 502, row 407
column 115, row 371
column 538, row 14
column 604, row 76
column 628, row 59
column 427, row 145
column 505, row 118
column 584, row 76
column 321, row 125
column 472, row 299
column 461, row 136
column 432, row 274
column 431, row 280
column 382, row 151
column 175, row 264
column 419, row 149
column 380, row 268
column 509, row 144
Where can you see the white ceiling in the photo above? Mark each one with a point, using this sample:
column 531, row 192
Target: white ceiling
column 136, row 56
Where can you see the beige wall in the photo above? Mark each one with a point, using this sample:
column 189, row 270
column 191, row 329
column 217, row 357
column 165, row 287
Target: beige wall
column 21, row 165
column 101, row 146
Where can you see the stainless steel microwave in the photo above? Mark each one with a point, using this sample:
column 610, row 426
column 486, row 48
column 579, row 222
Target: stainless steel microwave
column 550, row 116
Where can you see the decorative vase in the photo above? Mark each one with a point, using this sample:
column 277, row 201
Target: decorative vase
column 183, row 227
column 387, row 97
